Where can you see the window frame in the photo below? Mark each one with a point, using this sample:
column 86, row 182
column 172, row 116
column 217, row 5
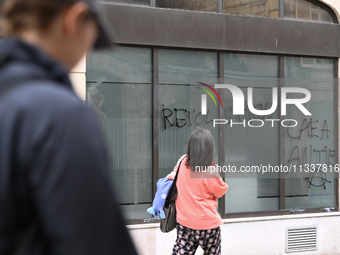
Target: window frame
column 248, row 39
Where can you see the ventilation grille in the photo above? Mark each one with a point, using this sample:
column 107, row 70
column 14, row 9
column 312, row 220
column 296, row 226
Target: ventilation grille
column 307, row 62
column 301, row 239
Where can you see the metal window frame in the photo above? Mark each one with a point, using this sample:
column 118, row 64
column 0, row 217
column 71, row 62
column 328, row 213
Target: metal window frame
column 282, row 194
column 221, row 130
column 155, row 119
column 221, row 146
column 158, row 28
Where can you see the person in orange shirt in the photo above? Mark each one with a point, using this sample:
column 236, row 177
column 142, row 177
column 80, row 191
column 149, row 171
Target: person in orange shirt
column 198, row 222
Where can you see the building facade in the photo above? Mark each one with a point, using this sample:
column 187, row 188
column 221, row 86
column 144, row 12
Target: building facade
column 145, row 95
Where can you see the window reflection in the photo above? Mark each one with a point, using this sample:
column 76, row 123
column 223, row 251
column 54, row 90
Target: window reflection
column 304, row 10
column 141, row 2
column 260, row 8
column 192, row 5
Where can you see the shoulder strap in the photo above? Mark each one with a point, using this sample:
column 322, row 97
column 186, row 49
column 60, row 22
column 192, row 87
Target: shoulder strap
column 179, row 166
column 173, row 186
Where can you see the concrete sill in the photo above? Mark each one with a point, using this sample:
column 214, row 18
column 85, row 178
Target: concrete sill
column 250, row 219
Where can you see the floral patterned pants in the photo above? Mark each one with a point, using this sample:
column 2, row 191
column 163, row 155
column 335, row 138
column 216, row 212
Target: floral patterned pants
column 189, row 239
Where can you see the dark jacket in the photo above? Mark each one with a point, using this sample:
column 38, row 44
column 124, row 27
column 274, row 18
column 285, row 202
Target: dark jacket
column 54, row 174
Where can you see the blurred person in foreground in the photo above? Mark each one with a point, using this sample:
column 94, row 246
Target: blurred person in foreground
column 55, row 193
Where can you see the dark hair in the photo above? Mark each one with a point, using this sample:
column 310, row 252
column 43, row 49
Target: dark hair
column 19, row 15
column 200, row 149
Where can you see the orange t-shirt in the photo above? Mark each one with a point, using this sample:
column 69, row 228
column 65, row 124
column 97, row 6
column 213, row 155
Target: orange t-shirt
column 196, row 203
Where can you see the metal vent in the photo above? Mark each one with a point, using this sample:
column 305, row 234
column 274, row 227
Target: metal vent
column 301, row 239
column 307, row 62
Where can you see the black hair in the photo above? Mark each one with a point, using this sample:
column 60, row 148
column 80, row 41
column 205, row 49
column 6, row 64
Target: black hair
column 200, row 149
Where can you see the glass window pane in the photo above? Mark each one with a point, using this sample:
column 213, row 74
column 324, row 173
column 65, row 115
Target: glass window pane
column 124, row 64
column 250, row 66
column 312, row 141
column 250, row 146
column 180, row 101
column 304, row 10
column 186, row 67
column 119, row 89
column 261, row 8
column 141, row 2
column 192, row 5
